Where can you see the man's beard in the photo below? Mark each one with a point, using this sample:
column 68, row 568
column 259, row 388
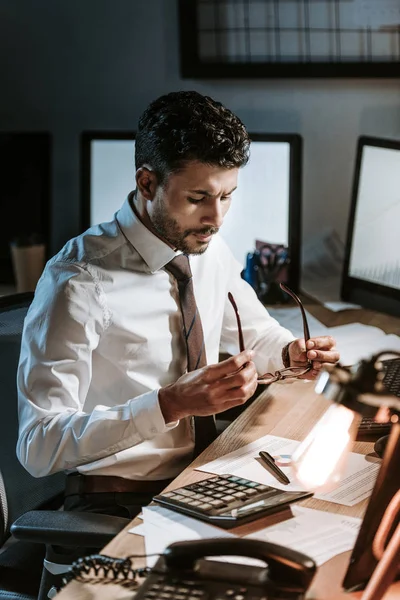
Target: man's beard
column 168, row 228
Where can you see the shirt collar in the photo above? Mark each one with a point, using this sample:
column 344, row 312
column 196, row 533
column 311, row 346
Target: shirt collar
column 155, row 253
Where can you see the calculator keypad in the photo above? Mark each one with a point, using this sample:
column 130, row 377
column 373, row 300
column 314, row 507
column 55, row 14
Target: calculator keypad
column 218, row 493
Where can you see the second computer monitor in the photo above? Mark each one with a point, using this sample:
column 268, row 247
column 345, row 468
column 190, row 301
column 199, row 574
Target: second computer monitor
column 266, row 205
column 371, row 274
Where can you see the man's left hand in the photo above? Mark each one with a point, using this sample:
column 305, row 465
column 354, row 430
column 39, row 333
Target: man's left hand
column 320, row 350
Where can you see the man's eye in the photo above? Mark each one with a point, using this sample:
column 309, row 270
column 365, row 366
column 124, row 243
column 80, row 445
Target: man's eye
column 225, row 198
column 195, row 200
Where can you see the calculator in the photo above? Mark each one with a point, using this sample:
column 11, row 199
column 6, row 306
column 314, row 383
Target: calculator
column 227, row 500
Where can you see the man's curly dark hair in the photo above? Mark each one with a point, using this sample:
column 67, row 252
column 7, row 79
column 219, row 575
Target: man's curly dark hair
column 185, row 126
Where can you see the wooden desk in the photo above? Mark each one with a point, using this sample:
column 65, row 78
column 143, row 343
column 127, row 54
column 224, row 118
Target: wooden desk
column 329, row 318
column 287, row 410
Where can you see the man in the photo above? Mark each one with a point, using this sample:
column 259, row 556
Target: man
column 110, row 386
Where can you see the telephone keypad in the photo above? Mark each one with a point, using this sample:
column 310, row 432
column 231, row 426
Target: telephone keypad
column 174, row 590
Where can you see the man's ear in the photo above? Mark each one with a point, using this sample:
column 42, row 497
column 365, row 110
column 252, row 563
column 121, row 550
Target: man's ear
column 146, row 181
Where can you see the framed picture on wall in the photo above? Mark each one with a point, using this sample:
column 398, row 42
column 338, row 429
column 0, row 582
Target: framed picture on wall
column 289, row 38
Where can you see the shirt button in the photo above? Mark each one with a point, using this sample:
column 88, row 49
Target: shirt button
column 153, row 430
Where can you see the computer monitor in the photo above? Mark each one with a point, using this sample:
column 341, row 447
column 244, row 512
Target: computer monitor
column 371, row 274
column 25, row 191
column 266, row 206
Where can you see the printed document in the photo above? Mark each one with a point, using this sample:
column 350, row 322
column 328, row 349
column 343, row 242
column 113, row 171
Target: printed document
column 355, row 341
column 356, row 485
column 161, row 527
column 320, row 535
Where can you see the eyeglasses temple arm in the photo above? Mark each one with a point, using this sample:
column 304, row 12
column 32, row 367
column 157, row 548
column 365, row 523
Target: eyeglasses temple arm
column 239, row 324
column 303, row 312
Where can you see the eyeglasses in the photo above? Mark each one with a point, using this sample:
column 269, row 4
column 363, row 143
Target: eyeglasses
column 288, row 372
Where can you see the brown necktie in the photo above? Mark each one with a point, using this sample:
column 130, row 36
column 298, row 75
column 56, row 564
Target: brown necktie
column 204, row 427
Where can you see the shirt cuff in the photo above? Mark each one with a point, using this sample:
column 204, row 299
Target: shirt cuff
column 147, row 415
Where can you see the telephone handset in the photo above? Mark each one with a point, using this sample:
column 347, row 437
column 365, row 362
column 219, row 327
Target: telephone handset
column 183, row 573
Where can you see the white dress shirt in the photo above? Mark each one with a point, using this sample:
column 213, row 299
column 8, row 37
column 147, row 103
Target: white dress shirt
column 104, row 334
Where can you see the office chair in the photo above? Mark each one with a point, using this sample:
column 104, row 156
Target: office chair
column 30, row 518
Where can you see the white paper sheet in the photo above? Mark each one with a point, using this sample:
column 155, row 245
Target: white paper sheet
column 162, row 527
column 320, row 535
column 338, row 306
column 138, row 530
column 354, row 341
column 356, row 485
column 291, row 319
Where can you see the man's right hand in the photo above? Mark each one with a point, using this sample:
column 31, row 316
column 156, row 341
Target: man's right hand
column 211, row 389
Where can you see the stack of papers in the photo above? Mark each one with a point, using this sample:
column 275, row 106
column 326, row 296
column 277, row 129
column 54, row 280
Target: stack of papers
column 161, row 527
column 356, row 485
column 317, row 534
column 354, row 341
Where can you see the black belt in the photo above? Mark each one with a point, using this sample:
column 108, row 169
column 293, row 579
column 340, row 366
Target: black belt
column 97, row 484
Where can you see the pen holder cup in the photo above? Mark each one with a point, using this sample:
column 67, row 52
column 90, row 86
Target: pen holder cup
column 265, row 269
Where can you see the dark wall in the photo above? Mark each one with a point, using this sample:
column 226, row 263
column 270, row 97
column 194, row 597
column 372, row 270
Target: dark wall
column 95, row 64
column 76, row 65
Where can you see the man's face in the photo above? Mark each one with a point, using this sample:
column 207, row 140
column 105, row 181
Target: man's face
column 190, row 208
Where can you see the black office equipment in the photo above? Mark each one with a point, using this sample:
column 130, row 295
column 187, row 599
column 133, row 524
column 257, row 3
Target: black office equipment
column 369, row 428
column 391, row 379
column 25, row 193
column 363, row 561
column 357, row 390
column 371, row 273
column 20, row 562
column 380, row 445
column 182, row 573
column 29, row 507
column 228, row 501
column 266, row 206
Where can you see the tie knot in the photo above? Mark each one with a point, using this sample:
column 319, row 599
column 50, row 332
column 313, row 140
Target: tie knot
column 179, row 267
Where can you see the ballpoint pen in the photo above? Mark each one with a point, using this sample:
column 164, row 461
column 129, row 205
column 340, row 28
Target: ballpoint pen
column 269, row 462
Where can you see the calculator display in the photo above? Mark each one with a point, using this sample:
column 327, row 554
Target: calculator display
column 248, row 507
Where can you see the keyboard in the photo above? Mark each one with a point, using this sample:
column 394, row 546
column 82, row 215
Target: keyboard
column 370, row 428
column 392, row 375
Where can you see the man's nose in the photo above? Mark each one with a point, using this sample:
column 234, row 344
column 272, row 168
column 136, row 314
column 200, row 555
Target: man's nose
column 214, row 215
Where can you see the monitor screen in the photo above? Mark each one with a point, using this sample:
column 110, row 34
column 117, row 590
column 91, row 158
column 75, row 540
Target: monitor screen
column 266, row 205
column 24, row 193
column 371, row 274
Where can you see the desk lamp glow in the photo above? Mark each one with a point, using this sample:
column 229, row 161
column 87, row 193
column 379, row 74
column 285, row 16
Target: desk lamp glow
column 320, row 459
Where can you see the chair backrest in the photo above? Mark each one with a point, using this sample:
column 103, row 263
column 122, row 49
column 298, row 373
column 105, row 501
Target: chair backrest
column 19, row 491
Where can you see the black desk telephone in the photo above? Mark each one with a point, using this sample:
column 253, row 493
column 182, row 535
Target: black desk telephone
column 182, row 573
